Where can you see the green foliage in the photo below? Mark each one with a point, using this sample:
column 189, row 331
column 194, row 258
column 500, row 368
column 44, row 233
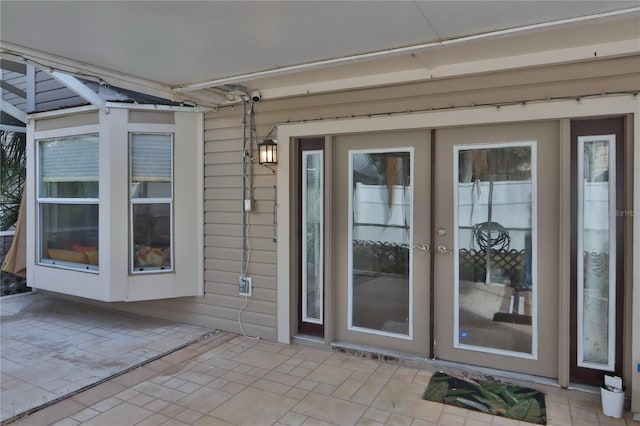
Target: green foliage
column 525, row 409
column 12, row 176
column 437, row 389
column 488, row 397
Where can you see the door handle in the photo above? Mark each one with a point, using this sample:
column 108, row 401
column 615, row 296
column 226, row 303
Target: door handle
column 444, row 250
column 424, row 247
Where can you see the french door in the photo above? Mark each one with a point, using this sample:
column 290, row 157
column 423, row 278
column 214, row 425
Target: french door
column 496, row 246
column 446, row 243
column 381, row 228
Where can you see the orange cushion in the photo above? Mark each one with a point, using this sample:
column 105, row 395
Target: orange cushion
column 83, row 249
column 92, row 256
column 67, row 255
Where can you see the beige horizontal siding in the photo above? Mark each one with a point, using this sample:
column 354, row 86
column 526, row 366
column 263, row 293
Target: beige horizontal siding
column 261, row 256
column 257, row 231
column 216, row 286
column 223, row 227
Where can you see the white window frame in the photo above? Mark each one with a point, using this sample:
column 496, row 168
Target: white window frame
column 534, row 248
column 305, row 316
column 350, row 325
column 149, row 201
column 41, row 201
column 611, row 347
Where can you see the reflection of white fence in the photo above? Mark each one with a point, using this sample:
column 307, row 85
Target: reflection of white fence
column 510, row 207
column 596, row 217
column 375, row 220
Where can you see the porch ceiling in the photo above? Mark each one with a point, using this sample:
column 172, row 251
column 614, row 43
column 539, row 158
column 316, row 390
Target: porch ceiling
column 170, row 46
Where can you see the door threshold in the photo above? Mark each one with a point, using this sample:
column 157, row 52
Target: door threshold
column 377, row 353
column 309, row 339
column 584, row 388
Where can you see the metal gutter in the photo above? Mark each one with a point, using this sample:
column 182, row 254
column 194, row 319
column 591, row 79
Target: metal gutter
column 156, row 107
column 63, row 111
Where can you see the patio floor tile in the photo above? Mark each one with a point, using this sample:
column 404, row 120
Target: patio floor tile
column 229, row 380
column 52, row 347
column 254, row 407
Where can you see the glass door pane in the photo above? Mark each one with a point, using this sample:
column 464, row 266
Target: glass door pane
column 312, row 236
column 596, row 252
column 495, row 249
column 380, row 230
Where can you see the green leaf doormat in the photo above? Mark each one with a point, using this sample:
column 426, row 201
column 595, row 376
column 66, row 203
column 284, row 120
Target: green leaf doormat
column 498, row 399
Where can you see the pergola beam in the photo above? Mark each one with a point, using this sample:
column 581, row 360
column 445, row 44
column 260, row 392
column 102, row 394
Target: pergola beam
column 13, row 111
column 79, row 89
column 10, row 128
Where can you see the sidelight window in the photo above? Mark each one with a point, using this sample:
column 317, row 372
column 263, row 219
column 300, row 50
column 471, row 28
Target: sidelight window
column 596, row 257
column 312, row 241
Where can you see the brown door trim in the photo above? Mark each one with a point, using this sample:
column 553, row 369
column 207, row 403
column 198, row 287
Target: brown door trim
column 599, row 126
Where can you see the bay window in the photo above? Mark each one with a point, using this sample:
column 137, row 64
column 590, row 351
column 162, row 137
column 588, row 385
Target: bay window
column 117, row 209
column 67, row 196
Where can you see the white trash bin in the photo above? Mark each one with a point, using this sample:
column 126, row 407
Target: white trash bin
column 612, row 402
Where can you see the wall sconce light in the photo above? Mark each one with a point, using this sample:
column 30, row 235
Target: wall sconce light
column 268, row 152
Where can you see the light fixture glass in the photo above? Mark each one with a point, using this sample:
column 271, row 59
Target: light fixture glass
column 268, row 152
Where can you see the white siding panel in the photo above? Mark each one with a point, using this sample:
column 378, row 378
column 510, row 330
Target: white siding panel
column 19, row 82
column 51, row 94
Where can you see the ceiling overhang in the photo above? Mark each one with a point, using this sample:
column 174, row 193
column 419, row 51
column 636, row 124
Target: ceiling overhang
column 297, row 48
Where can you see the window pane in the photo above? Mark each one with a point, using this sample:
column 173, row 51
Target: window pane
column 312, row 221
column 495, row 192
column 69, row 233
column 151, row 236
column 596, row 279
column 381, row 219
column 151, row 167
column 69, row 167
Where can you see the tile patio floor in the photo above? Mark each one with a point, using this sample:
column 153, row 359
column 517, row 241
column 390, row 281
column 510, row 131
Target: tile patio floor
column 50, row 347
column 233, row 380
column 228, row 379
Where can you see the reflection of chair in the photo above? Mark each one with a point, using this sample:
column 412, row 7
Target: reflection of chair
column 493, row 237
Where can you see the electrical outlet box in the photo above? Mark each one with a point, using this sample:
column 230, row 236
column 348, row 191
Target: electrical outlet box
column 248, row 205
column 244, row 286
